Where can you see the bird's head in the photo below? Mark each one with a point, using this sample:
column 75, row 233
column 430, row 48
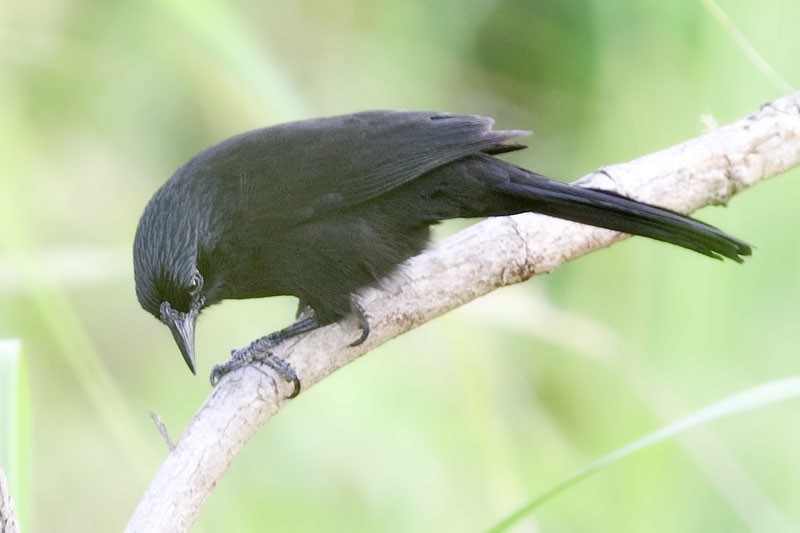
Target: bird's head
column 169, row 283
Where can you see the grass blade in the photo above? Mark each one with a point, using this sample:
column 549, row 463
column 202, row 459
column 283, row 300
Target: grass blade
column 759, row 396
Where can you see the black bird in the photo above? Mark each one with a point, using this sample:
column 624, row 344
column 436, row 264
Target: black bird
column 321, row 208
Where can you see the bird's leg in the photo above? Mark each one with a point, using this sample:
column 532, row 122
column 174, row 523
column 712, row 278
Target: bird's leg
column 259, row 350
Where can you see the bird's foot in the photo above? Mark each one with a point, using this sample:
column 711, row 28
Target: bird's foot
column 258, row 351
column 261, row 350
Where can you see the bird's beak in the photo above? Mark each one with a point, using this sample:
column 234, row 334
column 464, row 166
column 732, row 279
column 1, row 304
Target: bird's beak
column 182, row 327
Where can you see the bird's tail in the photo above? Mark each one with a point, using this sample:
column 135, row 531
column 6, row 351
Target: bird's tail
column 613, row 211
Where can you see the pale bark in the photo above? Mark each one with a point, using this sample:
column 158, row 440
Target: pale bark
column 8, row 520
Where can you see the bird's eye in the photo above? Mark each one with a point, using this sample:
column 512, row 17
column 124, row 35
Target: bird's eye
column 195, row 283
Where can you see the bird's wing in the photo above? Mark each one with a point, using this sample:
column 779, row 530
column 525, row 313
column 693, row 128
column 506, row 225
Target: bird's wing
column 309, row 168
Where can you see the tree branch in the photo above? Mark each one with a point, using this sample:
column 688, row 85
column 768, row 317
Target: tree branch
column 8, row 520
column 709, row 169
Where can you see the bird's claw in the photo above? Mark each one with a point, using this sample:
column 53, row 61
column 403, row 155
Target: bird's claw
column 217, row 372
column 239, row 358
column 364, row 334
column 287, row 372
column 363, row 324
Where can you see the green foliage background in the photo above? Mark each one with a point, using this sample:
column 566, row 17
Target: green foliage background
column 453, row 426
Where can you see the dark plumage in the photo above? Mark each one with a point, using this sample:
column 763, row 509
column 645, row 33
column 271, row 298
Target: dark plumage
column 321, row 208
